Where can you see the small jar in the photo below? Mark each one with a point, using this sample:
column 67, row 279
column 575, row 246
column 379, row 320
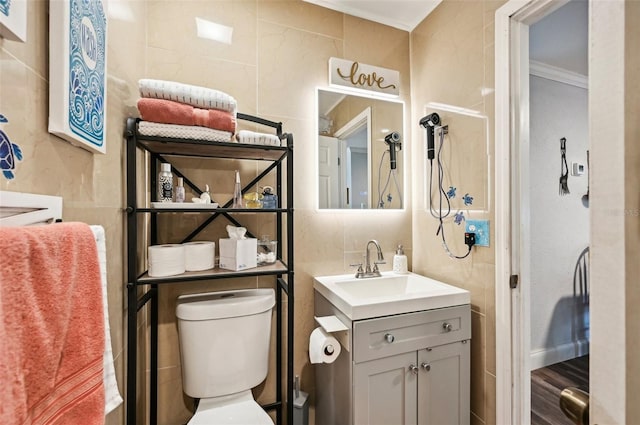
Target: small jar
column 267, row 251
column 253, row 200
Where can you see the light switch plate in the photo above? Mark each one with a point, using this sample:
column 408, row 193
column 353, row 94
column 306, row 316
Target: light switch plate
column 481, row 229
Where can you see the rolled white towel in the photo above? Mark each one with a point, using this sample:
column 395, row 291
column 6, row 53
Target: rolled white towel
column 197, row 96
column 253, row 138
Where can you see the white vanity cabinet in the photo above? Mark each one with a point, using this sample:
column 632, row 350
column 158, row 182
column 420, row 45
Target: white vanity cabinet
column 409, row 369
column 384, row 391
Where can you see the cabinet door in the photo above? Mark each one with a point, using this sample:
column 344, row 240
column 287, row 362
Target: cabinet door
column 385, row 391
column 443, row 385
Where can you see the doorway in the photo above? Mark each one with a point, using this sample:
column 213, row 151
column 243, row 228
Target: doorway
column 556, row 235
column 517, row 209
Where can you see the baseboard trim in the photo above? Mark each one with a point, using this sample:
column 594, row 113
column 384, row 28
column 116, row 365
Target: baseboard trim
column 560, row 353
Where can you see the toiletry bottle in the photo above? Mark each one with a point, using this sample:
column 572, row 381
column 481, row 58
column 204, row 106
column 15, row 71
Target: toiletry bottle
column 180, row 190
column 237, row 192
column 400, row 261
column 269, row 200
column 165, row 183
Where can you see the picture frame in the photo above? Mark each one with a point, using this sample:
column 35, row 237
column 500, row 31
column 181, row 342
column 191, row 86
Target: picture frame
column 13, row 20
column 78, row 72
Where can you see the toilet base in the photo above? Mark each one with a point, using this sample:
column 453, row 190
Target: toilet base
column 233, row 409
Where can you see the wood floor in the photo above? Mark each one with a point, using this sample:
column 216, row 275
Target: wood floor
column 548, row 382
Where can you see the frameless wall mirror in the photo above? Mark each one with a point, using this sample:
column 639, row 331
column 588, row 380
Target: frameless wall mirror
column 360, row 151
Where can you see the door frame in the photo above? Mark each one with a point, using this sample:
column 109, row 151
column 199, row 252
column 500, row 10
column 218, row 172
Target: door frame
column 513, row 382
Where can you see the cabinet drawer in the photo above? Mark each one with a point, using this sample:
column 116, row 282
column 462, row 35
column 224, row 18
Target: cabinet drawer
column 386, row 336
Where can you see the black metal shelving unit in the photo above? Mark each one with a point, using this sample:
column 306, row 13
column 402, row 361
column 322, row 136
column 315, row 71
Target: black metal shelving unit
column 143, row 289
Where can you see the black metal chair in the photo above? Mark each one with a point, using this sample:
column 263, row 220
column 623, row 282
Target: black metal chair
column 574, row 402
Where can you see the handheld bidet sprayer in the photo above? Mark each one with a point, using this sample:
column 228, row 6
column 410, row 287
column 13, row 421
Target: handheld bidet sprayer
column 393, row 140
column 429, row 123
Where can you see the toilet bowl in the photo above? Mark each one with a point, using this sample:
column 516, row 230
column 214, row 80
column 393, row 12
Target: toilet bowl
column 224, row 348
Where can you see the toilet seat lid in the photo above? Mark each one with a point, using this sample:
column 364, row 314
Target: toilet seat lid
column 242, row 413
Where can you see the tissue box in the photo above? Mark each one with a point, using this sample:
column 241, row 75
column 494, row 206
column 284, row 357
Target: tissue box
column 238, row 254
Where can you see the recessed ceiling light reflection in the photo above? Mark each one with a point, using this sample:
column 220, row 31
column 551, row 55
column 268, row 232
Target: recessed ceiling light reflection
column 212, row 31
column 120, row 11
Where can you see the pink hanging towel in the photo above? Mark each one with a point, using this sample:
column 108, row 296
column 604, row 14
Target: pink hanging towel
column 51, row 326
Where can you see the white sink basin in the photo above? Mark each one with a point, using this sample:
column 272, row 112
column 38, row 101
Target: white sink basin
column 389, row 294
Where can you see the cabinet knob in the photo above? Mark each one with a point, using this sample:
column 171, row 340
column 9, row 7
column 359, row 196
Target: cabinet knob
column 413, row 368
column 389, row 338
column 447, row 327
column 426, row 366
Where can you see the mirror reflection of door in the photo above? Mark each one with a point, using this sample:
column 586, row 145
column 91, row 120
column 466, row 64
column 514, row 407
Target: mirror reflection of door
column 343, row 170
column 354, row 172
column 329, row 172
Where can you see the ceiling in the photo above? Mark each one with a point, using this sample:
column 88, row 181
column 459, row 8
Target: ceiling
column 560, row 39
column 401, row 14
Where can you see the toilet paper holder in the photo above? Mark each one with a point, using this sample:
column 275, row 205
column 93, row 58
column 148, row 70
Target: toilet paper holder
column 335, row 326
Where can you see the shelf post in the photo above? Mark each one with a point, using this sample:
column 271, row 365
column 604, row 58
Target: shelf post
column 132, row 310
column 290, row 280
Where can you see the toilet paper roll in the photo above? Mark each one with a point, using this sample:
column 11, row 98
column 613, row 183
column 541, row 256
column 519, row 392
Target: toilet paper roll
column 199, row 255
column 323, row 348
column 166, row 260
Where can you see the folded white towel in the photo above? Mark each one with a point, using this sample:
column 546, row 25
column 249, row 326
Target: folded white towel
column 200, row 97
column 253, row 138
column 112, row 397
column 176, row 131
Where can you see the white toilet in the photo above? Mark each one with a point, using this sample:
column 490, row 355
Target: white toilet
column 224, row 347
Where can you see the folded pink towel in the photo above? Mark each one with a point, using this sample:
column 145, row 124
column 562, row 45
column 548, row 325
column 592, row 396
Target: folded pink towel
column 51, row 326
column 169, row 112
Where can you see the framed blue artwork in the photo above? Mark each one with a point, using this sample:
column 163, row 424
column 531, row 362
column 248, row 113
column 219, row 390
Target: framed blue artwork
column 77, row 72
column 13, row 20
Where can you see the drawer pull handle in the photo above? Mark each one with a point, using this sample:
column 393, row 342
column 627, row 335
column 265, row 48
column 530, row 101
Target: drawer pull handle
column 426, row 366
column 447, row 327
column 413, row 368
column 389, row 338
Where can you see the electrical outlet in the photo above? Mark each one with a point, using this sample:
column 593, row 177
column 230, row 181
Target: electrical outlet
column 481, row 229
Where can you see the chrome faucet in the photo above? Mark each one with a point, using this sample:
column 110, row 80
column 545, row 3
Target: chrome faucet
column 368, row 272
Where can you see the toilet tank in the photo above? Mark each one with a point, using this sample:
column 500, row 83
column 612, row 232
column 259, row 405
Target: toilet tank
column 224, row 340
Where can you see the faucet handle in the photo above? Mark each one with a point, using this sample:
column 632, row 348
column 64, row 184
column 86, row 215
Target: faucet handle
column 375, row 266
column 360, row 271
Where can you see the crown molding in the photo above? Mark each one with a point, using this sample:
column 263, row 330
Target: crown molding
column 560, row 75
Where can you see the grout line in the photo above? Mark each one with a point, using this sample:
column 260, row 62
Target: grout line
column 304, row 30
column 37, row 74
column 478, row 313
column 477, row 417
column 210, row 57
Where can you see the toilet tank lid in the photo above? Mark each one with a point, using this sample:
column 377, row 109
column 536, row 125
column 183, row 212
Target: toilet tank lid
column 226, row 304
